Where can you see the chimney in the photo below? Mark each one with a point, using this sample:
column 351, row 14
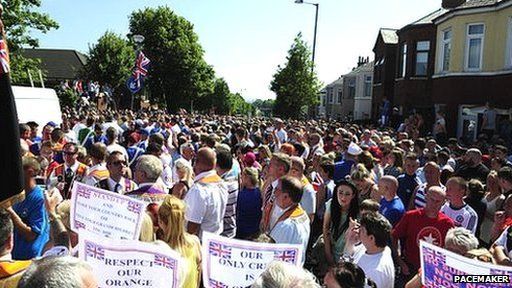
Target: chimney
column 450, row 4
column 360, row 61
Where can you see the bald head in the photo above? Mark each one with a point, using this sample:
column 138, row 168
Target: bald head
column 206, row 160
column 388, row 185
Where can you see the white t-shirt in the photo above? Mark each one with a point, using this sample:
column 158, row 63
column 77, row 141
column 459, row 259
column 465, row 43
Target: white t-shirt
column 464, row 217
column 283, row 136
column 377, row 267
column 206, row 204
column 308, row 200
column 293, row 231
column 502, row 241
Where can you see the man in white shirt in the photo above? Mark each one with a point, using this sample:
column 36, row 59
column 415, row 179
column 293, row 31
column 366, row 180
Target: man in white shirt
column 292, row 225
column 280, row 132
column 112, row 138
column 373, row 254
column 308, row 200
column 207, row 198
column 461, row 213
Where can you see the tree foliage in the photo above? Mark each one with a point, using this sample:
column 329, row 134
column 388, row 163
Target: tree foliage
column 219, row 99
column 21, row 19
column 295, row 84
column 178, row 73
column 238, row 105
column 110, row 60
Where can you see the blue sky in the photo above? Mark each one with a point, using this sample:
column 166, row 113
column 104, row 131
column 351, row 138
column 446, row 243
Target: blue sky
column 245, row 40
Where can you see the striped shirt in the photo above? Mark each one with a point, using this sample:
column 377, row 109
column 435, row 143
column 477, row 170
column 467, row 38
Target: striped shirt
column 419, row 199
column 230, row 215
column 464, row 216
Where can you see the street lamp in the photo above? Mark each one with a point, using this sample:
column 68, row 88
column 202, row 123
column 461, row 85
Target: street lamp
column 316, row 24
column 138, row 39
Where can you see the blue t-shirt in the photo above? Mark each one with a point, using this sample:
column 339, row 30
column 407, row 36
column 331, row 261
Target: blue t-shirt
column 406, row 185
column 393, row 210
column 33, row 213
column 342, row 169
column 248, row 212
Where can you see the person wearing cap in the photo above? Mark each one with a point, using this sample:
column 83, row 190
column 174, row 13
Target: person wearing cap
column 343, row 168
column 280, row 132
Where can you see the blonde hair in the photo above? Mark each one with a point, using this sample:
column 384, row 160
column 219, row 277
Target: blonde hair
column 182, row 166
column 63, row 210
column 147, row 233
column 172, row 214
column 252, row 173
column 360, row 172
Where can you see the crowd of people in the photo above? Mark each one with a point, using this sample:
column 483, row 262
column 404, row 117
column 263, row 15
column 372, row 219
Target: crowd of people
column 357, row 198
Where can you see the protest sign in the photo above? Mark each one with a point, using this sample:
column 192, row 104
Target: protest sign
column 129, row 263
column 235, row 263
column 442, row 268
column 105, row 213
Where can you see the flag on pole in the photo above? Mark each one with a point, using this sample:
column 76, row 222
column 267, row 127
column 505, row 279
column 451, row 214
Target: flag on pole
column 139, row 73
column 11, row 175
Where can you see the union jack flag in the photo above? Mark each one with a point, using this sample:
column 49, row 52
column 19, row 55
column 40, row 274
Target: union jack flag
column 285, row 255
column 4, row 57
column 217, row 284
column 95, row 251
column 139, row 72
column 220, row 250
column 83, row 192
column 78, row 86
column 141, row 65
column 79, row 224
column 163, row 261
column 134, row 207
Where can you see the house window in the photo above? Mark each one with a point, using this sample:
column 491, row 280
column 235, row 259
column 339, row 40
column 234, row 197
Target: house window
column 422, row 51
column 474, row 46
column 403, row 63
column 340, row 94
column 351, row 89
column 508, row 59
column 367, row 86
column 446, row 47
column 331, row 95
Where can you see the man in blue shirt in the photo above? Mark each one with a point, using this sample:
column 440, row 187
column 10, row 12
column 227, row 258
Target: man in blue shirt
column 408, row 181
column 343, row 168
column 31, row 227
column 390, row 205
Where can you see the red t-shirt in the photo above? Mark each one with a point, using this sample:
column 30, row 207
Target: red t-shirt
column 415, row 226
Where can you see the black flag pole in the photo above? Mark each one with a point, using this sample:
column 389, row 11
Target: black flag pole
column 11, row 172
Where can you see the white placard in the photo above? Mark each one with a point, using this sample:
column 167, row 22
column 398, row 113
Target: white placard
column 105, row 213
column 441, row 268
column 129, row 263
column 236, row 263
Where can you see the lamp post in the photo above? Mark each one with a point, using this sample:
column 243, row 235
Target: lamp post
column 316, row 24
column 138, row 39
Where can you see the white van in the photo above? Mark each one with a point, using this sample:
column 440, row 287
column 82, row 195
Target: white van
column 40, row 105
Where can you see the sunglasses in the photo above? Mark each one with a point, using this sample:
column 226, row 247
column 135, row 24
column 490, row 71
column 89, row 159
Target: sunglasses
column 118, row 163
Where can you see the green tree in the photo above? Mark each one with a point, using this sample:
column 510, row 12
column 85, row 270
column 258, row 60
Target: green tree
column 21, row 19
column 238, row 105
column 178, row 73
column 110, row 60
column 220, row 97
column 295, row 84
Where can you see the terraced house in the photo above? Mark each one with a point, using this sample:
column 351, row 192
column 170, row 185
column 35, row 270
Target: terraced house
column 473, row 63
